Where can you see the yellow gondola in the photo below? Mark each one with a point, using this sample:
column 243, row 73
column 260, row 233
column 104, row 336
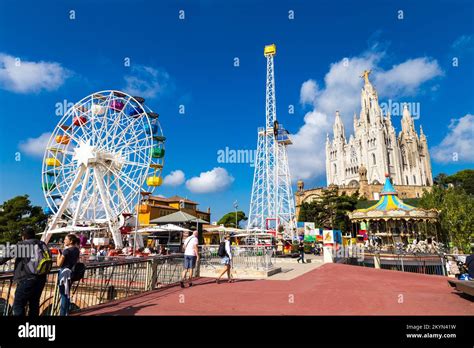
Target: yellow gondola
column 143, row 209
column 154, row 181
column 52, row 162
column 63, row 139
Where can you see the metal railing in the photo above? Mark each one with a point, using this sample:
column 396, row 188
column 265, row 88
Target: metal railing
column 104, row 281
column 412, row 263
column 249, row 257
column 8, row 266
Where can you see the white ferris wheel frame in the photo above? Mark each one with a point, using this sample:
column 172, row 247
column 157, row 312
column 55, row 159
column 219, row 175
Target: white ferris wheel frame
column 99, row 185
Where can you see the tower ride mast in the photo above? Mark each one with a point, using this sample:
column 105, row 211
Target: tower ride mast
column 272, row 206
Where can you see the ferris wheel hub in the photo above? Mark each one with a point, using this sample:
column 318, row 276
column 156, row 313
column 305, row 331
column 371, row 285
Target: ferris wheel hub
column 88, row 155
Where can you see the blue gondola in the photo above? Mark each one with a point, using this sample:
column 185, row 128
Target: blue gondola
column 47, row 211
column 135, row 111
column 151, row 130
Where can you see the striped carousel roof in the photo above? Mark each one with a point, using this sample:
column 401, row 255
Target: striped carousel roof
column 388, row 200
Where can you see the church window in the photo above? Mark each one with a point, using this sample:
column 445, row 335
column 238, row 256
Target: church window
column 353, row 155
column 335, row 168
column 414, row 180
column 374, row 162
column 406, row 178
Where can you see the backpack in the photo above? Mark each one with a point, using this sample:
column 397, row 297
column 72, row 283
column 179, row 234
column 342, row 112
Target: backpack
column 78, row 271
column 41, row 262
column 221, row 252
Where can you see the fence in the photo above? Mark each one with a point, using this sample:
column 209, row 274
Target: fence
column 103, row 282
column 423, row 264
column 249, row 257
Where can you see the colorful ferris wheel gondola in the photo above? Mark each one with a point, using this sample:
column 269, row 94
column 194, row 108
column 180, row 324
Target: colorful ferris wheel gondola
column 156, row 179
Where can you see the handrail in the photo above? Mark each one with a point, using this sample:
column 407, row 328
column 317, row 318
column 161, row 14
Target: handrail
column 104, row 281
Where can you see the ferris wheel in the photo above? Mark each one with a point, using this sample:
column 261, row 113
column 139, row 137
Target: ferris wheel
column 98, row 158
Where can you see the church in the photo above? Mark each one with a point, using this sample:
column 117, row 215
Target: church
column 373, row 150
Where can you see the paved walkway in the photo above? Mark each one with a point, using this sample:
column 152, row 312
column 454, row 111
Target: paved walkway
column 332, row 289
column 292, row 269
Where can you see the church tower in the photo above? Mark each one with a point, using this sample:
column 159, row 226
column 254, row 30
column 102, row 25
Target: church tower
column 375, row 147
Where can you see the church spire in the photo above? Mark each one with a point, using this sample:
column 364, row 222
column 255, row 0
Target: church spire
column 422, row 135
column 338, row 127
column 407, row 121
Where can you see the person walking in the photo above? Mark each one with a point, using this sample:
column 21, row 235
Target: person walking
column 470, row 263
column 30, row 272
column 301, row 251
column 66, row 261
column 191, row 257
column 225, row 253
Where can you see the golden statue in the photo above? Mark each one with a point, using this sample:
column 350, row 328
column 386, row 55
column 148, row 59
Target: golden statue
column 365, row 75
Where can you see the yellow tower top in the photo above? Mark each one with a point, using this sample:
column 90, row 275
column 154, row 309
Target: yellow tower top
column 270, row 50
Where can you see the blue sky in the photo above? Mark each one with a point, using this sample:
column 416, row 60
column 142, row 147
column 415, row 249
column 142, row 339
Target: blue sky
column 190, row 62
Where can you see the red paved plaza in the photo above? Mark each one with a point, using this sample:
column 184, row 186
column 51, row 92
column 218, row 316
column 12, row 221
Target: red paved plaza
column 331, row 289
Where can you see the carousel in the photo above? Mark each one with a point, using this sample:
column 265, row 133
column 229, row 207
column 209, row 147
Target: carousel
column 391, row 221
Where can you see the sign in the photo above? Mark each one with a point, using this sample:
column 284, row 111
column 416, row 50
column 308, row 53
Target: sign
column 310, row 232
column 328, row 237
column 332, row 237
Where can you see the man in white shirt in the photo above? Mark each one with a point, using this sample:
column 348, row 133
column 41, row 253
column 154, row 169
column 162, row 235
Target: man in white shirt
column 191, row 256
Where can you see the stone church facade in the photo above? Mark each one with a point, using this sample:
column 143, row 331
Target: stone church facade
column 376, row 146
column 361, row 162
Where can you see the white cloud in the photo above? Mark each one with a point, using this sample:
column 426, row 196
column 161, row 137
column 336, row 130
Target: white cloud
column 305, row 155
column 175, row 178
column 24, row 76
column 35, row 147
column 457, row 145
column 308, row 92
column 342, row 86
column 406, row 78
column 214, row 180
column 146, row 82
column 463, row 43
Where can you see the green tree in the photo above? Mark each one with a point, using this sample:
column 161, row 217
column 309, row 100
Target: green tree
column 455, row 208
column 463, row 179
column 17, row 213
column 330, row 210
column 228, row 220
column 440, row 179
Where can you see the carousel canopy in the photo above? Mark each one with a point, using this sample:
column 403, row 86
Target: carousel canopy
column 389, row 200
column 390, row 206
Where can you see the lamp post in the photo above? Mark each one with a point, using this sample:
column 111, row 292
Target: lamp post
column 236, row 206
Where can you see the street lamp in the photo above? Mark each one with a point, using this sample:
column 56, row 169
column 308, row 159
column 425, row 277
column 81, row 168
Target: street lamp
column 235, row 207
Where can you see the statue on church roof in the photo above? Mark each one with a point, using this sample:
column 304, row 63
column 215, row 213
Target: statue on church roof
column 365, row 75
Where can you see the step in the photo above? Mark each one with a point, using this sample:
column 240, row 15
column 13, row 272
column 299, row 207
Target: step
column 239, row 273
